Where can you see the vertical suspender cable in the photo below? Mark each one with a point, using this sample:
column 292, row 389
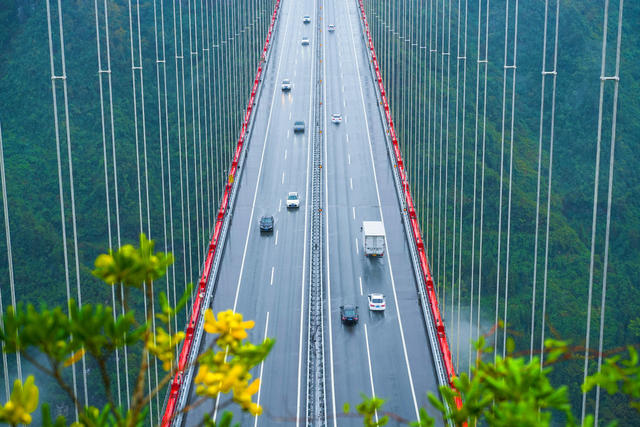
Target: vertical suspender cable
column 54, row 78
column 475, row 169
column 447, row 53
column 502, row 138
column 546, row 244
column 187, row 191
column 7, row 230
column 463, row 58
column 168, row 151
column 454, row 279
column 204, row 12
column 194, row 93
column 614, row 116
column 162, row 177
column 106, row 172
column 603, row 79
column 178, row 118
column 433, row 143
column 544, row 73
column 513, row 102
column 484, row 138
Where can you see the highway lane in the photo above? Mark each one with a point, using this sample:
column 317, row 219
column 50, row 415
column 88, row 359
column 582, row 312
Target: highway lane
column 262, row 275
column 382, row 355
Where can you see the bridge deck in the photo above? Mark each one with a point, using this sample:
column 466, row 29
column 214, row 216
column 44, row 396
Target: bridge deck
column 265, row 276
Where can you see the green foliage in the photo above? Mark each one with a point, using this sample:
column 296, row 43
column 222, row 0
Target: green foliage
column 368, row 409
column 132, row 266
column 66, row 338
column 225, row 420
column 509, row 391
column 618, row 375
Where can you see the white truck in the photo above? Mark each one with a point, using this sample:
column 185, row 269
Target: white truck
column 373, row 238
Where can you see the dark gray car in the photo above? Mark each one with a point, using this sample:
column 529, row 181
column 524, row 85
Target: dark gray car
column 298, row 126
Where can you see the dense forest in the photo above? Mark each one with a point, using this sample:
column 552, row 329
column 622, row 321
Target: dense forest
column 421, row 47
column 156, row 99
column 205, row 115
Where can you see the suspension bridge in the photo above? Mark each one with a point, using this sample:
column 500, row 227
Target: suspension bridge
column 226, row 154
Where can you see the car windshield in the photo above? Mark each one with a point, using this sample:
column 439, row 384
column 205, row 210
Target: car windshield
column 267, row 219
column 292, row 197
column 350, row 312
column 286, row 81
column 377, row 300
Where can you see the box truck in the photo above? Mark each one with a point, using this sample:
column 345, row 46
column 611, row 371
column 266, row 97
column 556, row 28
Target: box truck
column 373, row 238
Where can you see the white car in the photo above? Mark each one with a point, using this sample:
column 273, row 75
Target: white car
column 293, row 201
column 306, row 19
column 286, row 85
column 305, row 41
column 377, row 302
column 332, row 28
column 336, row 118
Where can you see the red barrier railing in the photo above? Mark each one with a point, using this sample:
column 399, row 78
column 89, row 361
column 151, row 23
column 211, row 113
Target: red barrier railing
column 187, row 345
column 413, row 218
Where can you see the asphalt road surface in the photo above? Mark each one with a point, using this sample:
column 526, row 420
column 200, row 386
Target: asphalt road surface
column 264, row 275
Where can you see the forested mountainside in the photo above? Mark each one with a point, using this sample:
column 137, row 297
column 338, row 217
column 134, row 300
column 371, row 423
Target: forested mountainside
column 27, row 119
column 212, row 103
column 418, row 110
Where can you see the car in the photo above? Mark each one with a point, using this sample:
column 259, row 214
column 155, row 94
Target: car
column 377, row 302
column 298, row 126
column 266, row 223
column 349, row 313
column 305, row 41
column 306, row 19
column 286, row 85
column 332, row 28
column 293, row 201
column 336, row 118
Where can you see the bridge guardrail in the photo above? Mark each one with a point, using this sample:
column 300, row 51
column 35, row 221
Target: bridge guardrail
column 429, row 302
column 181, row 382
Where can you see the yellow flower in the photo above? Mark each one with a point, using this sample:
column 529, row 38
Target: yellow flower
column 229, row 325
column 23, row 401
column 164, row 346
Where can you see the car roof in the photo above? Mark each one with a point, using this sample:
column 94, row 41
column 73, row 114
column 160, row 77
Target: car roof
column 376, row 296
column 299, row 122
column 293, row 193
column 285, row 80
column 267, row 217
column 335, row 114
column 348, row 307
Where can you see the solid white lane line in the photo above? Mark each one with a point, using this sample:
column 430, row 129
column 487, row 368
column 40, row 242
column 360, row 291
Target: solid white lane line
column 375, row 176
column 354, row 212
column 272, row 270
column 285, row 154
column 282, row 177
column 266, row 328
column 280, row 205
column 357, row 250
column 255, row 193
column 373, row 391
column 351, row 183
column 304, row 256
column 277, row 231
column 349, row 158
column 359, row 279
